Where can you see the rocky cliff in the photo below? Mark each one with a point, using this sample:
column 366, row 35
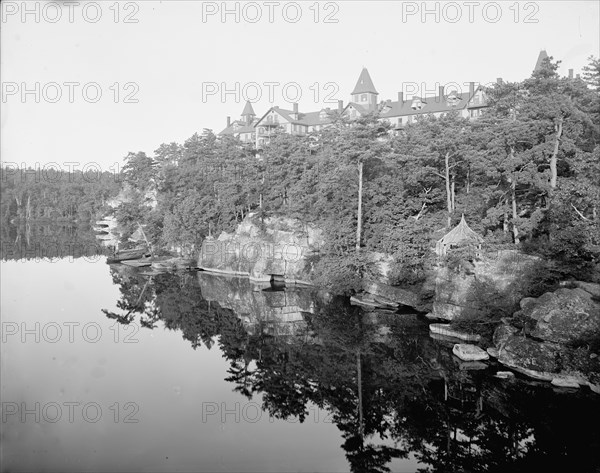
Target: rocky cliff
column 453, row 287
column 280, row 248
column 552, row 337
column 277, row 247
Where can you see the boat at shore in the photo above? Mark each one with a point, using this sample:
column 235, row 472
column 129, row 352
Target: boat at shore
column 131, row 254
column 370, row 301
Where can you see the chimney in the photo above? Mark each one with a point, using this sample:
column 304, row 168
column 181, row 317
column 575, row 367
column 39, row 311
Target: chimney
column 401, row 98
column 340, row 105
column 499, row 80
column 296, row 108
column 570, row 73
column 441, row 89
column 471, row 89
column 228, row 122
column 578, row 76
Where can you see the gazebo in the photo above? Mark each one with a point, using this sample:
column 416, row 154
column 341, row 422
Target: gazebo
column 458, row 236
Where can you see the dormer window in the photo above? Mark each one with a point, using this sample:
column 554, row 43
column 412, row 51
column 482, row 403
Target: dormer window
column 323, row 115
column 452, row 99
column 417, row 103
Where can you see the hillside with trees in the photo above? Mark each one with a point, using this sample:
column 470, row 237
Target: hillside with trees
column 526, row 175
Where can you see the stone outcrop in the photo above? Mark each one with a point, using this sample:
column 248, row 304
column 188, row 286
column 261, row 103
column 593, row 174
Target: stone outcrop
column 563, row 315
column 453, row 288
column 280, row 248
column 542, row 347
column 277, row 247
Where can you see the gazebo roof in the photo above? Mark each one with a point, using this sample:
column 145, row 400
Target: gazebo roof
column 459, row 234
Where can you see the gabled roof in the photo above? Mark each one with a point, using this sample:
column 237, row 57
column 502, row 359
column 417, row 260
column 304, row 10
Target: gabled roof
column 248, row 110
column 436, row 104
column 364, row 84
column 358, row 107
column 540, row 60
column 243, row 128
column 306, row 119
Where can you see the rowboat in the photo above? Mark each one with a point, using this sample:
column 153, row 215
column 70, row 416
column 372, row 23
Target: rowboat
column 124, row 255
column 138, row 263
column 372, row 302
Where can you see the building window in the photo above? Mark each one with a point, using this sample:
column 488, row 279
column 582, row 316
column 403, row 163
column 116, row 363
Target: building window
column 363, row 98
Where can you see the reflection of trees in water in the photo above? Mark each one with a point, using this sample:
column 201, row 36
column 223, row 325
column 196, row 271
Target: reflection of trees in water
column 389, row 388
column 36, row 241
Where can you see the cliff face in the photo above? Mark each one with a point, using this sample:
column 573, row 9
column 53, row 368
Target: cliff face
column 278, row 247
column 452, row 288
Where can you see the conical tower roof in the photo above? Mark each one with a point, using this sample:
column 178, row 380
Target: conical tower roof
column 540, row 60
column 248, row 110
column 364, row 84
column 459, row 234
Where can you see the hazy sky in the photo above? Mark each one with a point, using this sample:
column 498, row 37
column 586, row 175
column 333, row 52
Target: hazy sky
column 161, row 67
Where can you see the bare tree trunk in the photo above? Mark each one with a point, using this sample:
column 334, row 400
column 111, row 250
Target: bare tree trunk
column 361, row 426
column 553, row 172
column 452, row 187
column 28, row 208
column 18, row 200
column 513, row 189
column 448, row 191
column 360, row 186
column 468, row 179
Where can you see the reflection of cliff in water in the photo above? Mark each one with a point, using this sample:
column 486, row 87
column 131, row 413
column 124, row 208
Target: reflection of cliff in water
column 261, row 309
column 392, row 391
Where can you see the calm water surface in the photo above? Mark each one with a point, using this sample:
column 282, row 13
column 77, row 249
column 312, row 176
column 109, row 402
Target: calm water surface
column 108, row 368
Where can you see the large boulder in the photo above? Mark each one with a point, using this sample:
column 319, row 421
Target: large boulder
column 549, row 345
column 519, row 351
column 564, row 315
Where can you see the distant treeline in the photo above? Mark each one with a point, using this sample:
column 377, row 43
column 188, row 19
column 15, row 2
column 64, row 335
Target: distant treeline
column 34, row 194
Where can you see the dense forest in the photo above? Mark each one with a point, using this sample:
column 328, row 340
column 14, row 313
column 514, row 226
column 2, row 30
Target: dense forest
column 526, row 174
column 35, row 194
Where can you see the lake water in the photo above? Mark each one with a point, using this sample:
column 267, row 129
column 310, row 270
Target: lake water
column 109, row 368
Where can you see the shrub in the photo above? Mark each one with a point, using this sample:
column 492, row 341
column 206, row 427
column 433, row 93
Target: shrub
column 486, row 305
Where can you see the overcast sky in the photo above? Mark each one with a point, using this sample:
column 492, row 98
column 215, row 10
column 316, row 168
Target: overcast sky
column 161, row 67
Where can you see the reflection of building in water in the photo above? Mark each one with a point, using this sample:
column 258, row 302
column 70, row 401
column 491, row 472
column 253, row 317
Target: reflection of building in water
column 462, row 394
